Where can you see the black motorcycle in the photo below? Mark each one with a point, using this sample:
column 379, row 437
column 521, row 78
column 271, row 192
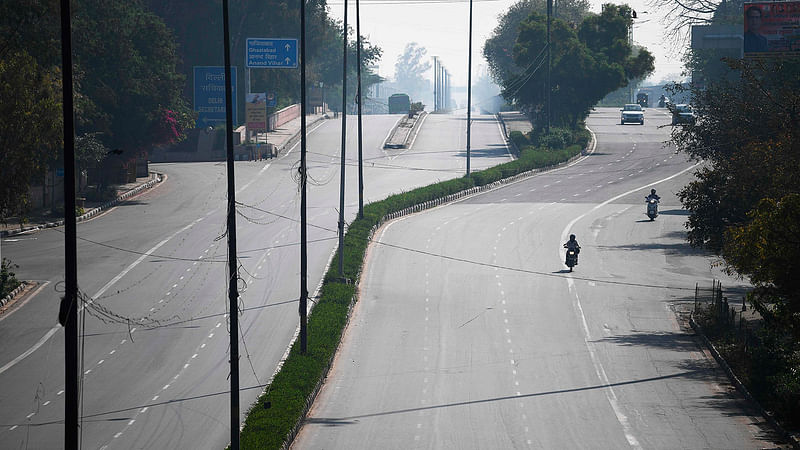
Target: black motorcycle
column 652, row 208
column 572, row 258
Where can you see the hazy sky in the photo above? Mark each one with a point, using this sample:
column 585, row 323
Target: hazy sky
column 441, row 26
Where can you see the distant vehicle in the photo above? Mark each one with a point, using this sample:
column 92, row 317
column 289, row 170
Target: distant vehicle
column 682, row 113
column 663, row 101
column 643, row 99
column 399, row 104
column 632, row 112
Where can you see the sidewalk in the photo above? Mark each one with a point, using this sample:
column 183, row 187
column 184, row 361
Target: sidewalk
column 288, row 134
column 37, row 220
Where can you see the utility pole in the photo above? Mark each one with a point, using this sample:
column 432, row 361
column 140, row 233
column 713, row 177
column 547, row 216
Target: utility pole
column 469, row 87
column 68, row 314
column 233, row 275
column 344, row 144
column 435, row 84
column 360, row 100
column 549, row 60
column 303, row 184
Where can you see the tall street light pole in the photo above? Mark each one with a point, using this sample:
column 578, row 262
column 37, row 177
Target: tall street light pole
column 233, row 276
column 549, row 61
column 469, row 87
column 360, row 100
column 303, row 184
column 68, row 314
column 344, row 143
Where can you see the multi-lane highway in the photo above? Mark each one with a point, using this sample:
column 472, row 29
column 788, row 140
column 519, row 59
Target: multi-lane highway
column 471, row 333
column 155, row 347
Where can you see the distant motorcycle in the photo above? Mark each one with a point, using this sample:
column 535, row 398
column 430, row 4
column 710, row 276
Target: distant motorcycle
column 572, row 258
column 652, row 208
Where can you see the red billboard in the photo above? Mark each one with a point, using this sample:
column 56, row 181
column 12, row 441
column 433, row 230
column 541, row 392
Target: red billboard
column 771, row 28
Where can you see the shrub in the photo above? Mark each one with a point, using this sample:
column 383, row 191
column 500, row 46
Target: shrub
column 519, row 139
column 8, row 279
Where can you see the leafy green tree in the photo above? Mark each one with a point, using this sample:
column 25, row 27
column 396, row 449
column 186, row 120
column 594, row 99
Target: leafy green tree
column 30, row 131
column 767, row 250
column 587, row 64
column 498, row 49
column 193, row 21
column 126, row 69
column 747, row 131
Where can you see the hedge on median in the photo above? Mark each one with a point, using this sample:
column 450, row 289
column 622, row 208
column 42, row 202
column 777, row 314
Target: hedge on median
column 276, row 415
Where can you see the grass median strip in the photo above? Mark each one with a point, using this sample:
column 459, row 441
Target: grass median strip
column 277, row 415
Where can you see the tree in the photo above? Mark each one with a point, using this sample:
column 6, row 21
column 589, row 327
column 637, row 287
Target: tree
column 126, row 72
column 586, row 65
column 410, row 69
column 262, row 19
column 747, row 131
column 30, row 132
column 767, row 250
column 498, row 49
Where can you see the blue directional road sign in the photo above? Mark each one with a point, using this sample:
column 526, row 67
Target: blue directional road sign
column 268, row 53
column 209, row 95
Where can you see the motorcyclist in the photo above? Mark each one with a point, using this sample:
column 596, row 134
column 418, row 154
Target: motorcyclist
column 652, row 196
column 572, row 244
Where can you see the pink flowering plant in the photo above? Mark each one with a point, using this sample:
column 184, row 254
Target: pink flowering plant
column 168, row 126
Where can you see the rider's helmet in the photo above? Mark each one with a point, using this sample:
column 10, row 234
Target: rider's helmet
column 571, row 237
column 652, row 192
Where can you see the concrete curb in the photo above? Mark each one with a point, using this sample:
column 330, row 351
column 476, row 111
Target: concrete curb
column 154, row 179
column 289, row 143
column 12, row 294
column 410, row 137
column 791, row 439
column 507, row 136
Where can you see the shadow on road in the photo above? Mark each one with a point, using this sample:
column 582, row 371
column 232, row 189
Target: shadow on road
column 682, row 248
column 351, row 419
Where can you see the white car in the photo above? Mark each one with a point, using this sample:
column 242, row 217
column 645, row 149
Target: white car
column 632, row 112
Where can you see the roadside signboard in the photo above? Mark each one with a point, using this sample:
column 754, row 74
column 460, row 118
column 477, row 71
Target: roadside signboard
column 771, row 28
column 209, row 95
column 272, row 99
column 270, row 53
column 256, row 112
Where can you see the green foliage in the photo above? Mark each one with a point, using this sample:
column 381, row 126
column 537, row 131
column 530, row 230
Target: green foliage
column 747, row 130
column 126, row 71
column 498, row 49
column 765, row 358
column 416, row 107
column 266, row 428
column 30, row 129
column 767, row 250
column 587, row 64
column 89, row 151
column 519, row 139
column 8, row 279
column 262, row 19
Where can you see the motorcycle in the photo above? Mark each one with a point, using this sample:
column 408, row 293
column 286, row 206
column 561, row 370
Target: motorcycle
column 572, row 258
column 652, row 208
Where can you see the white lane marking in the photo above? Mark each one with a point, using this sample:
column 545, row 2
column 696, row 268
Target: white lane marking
column 46, row 403
column 102, row 290
column 60, row 392
column 610, row 395
column 27, row 352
